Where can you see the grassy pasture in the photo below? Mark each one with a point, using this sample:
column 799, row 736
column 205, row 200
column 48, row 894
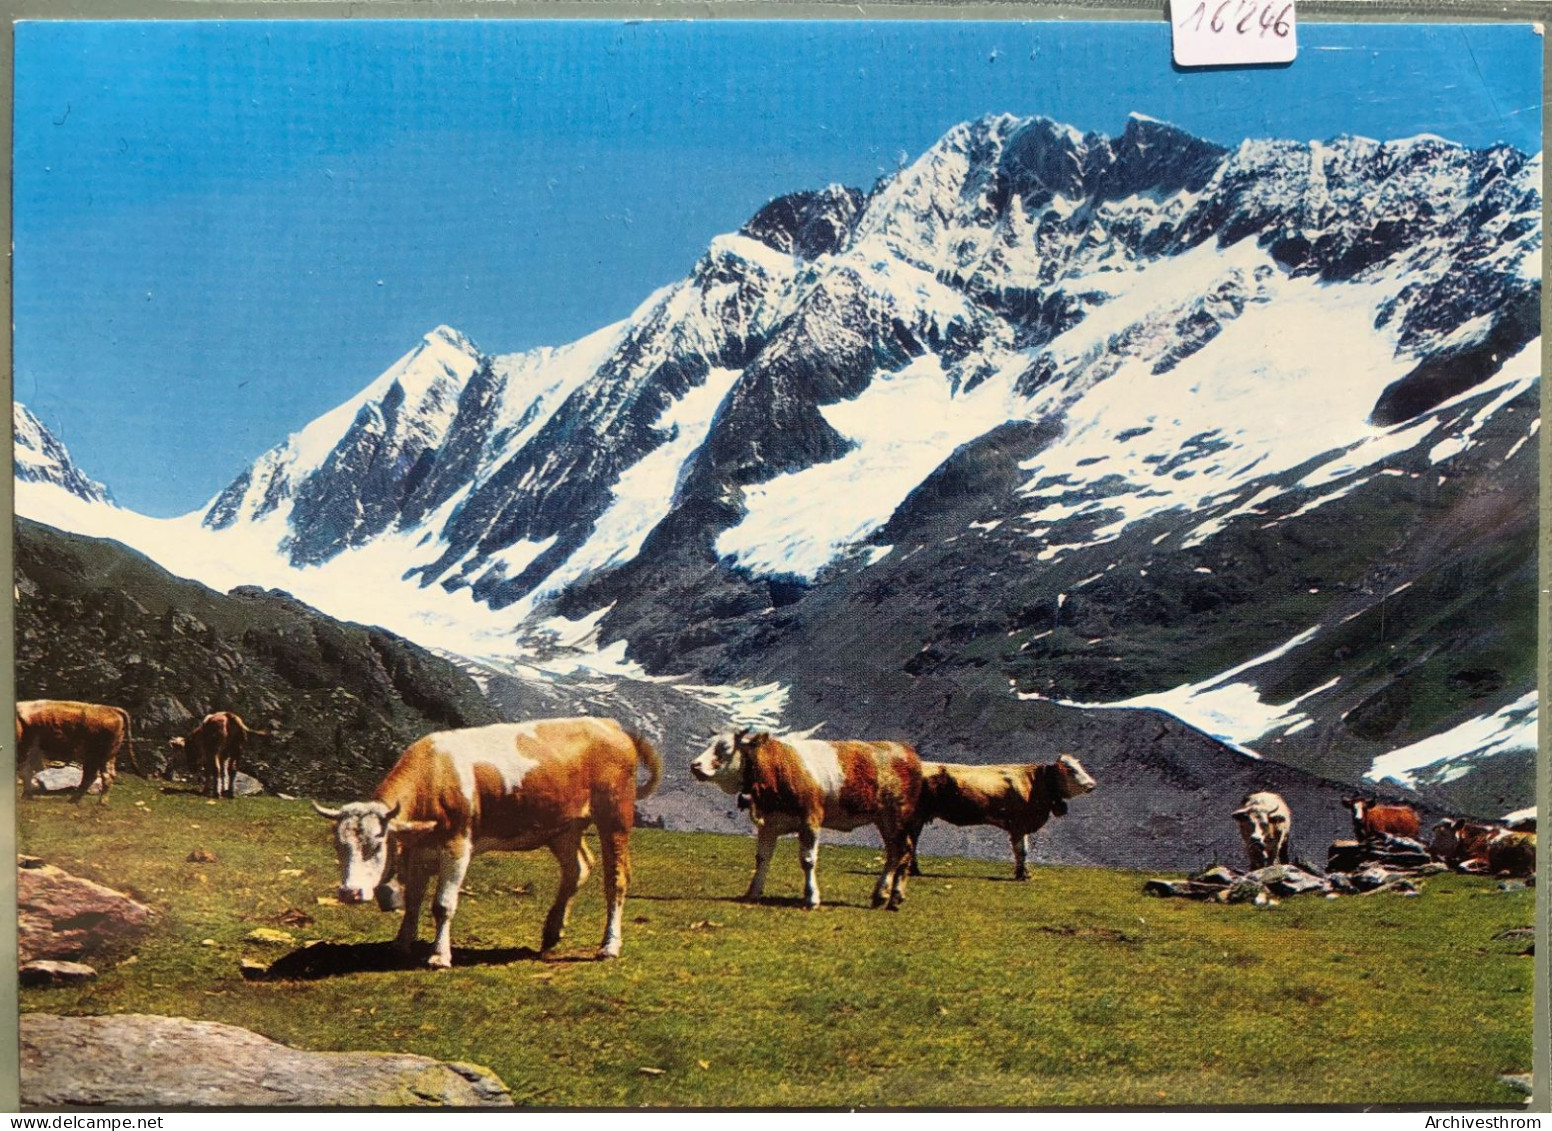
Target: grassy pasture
column 1073, row 989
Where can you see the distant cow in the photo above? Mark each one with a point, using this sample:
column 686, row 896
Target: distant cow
column 214, row 748
column 800, row 785
column 1372, row 819
column 88, row 733
column 1472, row 846
column 1019, row 799
column 512, row 787
column 1266, row 824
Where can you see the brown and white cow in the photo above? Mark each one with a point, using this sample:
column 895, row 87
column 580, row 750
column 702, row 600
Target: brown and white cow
column 1372, row 820
column 1019, row 799
column 1472, row 846
column 801, row 785
column 1266, row 824
column 214, row 748
column 89, row 733
column 511, row 787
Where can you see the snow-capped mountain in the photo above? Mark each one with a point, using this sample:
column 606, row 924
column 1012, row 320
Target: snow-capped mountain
column 41, row 458
column 1046, row 416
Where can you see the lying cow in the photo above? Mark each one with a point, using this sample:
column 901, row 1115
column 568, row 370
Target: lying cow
column 1472, row 846
column 88, row 733
column 1019, row 799
column 798, row 785
column 213, row 750
column 1372, row 820
column 512, row 787
column 1266, row 824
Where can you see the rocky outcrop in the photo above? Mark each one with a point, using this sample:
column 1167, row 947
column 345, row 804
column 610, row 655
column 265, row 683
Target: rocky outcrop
column 60, row 916
column 137, row 1060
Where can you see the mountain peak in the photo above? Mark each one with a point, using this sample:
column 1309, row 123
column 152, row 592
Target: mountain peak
column 448, row 336
column 40, row 457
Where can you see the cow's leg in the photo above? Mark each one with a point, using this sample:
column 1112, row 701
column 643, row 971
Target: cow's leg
column 415, row 871
column 890, row 888
column 92, row 766
column 109, row 774
column 1020, row 855
column 452, row 866
column 568, row 855
column 616, row 863
column 902, row 869
column 29, row 757
column 808, row 854
column 764, row 848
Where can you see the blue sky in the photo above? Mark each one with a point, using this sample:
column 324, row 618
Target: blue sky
column 223, row 229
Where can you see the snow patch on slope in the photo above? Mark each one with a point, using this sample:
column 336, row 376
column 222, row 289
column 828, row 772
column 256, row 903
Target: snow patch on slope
column 1229, row 709
column 902, row 427
column 1514, row 727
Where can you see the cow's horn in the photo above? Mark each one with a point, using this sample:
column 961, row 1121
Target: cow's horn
column 394, row 812
column 327, row 814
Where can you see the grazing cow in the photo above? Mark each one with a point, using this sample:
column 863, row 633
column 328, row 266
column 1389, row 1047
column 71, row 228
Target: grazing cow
column 1266, row 824
column 800, row 785
column 1511, row 853
column 1372, row 820
column 89, row 733
column 214, row 748
column 1472, row 846
column 1019, row 799
column 511, row 787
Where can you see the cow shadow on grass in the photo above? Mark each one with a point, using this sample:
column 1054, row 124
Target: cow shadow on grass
column 966, row 877
column 763, row 901
column 331, row 960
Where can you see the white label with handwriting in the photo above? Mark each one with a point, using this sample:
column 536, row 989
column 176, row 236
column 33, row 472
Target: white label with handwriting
column 1226, row 33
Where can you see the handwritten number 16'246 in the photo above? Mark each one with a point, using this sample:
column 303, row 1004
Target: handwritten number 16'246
column 1247, row 16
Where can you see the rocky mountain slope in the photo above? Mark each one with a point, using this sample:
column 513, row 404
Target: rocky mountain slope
column 98, row 622
column 1042, row 430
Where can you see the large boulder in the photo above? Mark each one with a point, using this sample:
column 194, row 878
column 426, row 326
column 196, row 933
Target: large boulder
column 140, row 1061
column 60, row 916
column 60, row 779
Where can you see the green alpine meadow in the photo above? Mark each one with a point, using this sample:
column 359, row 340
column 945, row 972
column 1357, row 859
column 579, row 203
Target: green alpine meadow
column 1071, row 989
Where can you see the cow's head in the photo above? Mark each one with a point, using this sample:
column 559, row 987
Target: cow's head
column 1359, row 807
column 1074, row 778
column 1446, row 844
column 722, row 763
column 1261, row 827
column 364, row 841
column 181, row 755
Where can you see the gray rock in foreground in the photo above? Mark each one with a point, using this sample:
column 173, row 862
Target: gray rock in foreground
column 136, row 1060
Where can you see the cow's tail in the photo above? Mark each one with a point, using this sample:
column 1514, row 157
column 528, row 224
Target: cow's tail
column 646, row 756
column 129, row 743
